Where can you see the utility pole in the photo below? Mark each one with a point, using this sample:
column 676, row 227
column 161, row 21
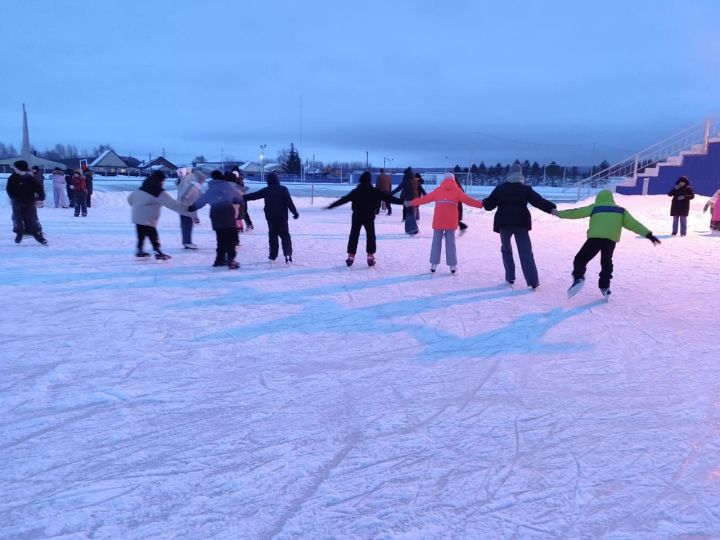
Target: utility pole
column 367, row 159
column 222, row 158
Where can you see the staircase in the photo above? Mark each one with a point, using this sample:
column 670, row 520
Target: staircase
column 693, row 152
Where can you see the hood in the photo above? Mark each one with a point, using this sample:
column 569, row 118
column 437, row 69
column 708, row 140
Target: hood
column 449, row 184
column 604, row 197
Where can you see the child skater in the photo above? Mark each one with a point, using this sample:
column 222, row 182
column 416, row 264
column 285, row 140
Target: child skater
column 714, row 208
column 365, row 200
column 277, row 204
column 447, row 197
column 222, row 195
column 146, row 204
column 607, row 221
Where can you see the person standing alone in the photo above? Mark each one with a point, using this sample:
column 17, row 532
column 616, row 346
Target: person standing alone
column 23, row 191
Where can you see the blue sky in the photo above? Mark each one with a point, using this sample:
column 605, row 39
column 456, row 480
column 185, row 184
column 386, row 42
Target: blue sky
column 412, row 80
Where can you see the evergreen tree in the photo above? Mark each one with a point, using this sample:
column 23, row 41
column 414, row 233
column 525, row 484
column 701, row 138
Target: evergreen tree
column 292, row 163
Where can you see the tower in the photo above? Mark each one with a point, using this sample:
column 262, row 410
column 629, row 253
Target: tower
column 25, row 149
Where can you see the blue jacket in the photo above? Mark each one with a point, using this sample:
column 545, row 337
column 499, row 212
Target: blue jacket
column 221, row 195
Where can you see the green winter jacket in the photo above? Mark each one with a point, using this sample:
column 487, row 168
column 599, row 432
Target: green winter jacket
column 606, row 218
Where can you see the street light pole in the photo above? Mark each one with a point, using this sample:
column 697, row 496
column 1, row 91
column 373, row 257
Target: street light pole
column 262, row 165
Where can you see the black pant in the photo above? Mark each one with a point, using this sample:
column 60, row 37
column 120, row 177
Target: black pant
column 227, row 239
column 89, row 196
column 146, row 231
column 25, row 220
column 279, row 229
column 587, row 253
column 384, row 205
column 81, row 202
column 357, row 223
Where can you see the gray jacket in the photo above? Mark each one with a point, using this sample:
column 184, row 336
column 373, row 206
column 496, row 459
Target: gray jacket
column 146, row 208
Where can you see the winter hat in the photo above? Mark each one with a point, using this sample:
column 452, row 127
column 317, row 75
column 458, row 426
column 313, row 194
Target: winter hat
column 217, row 175
column 449, row 176
column 272, row 179
column 515, row 174
column 683, row 179
column 157, row 176
column 365, row 178
column 35, row 168
column 22, row 165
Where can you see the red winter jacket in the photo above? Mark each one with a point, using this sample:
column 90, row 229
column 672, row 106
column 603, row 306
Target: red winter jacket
column 446, row 197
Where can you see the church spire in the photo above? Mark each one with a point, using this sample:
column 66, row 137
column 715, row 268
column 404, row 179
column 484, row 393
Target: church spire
column 25, row 151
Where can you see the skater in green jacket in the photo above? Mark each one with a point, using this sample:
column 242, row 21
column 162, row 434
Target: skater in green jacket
column 607, row 221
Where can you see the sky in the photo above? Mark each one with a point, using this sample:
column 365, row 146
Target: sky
column 424, row 83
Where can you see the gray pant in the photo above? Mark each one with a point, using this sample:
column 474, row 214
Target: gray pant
column 524, row 246
column 59, row 195
column 450, row 251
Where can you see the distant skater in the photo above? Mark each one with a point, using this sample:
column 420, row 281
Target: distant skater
column 365, row 200
column 58, row 182
column 190, row 184
column 713, row 205
column 408, row 189
column 681, row 195
column 277, row 205
column 23, row 191
column 447, row 198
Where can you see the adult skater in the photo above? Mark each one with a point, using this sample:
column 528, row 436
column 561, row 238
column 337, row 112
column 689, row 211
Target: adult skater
column 87, row 173
column 384, row 184
column 681, row 195
column 222, row 195
column 447, row 198
column 713, row 204
column 408, row 189
column 240, row 181
column 277, row 204
column 365, row 199
column 146, row 204
column 58, row 182
column 513, row 219
column 24, row 191
column 607, row 221
column 190, row 184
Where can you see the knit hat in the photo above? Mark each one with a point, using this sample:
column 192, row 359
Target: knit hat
column 35, row 168
column 515, row 174
column 22, row 165
column 217, row 175
column 449, row 176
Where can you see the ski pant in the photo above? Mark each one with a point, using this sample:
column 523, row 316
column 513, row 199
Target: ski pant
column 368, row 222
column 450, row 250
column 587, row 252
column 411, row 226
column 25, row 220
column 59, row 196
column 80, row 202
column 683, row 225
column 279, row 229
column 527, row 260
column 383, row 205
column 227, row 239
column 149, row 232
column 186, row 227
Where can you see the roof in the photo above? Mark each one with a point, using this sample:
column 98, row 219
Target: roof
column 108, row 159
column 32, row 160
column 159, row 161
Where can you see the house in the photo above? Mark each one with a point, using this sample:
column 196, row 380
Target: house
column 159, row 164
column 107, row 164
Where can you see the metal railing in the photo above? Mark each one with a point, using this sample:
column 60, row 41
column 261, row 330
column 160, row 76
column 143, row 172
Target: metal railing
column 695, row 137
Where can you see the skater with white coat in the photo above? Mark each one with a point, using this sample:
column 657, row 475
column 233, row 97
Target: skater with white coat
column 190, row 185
column 447, row 198
column 146, row 204
column 59, row 188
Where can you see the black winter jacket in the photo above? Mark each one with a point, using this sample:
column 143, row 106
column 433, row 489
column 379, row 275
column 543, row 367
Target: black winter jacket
column 678, row 206
column 364, row 200
column 24, row 188
column 511, row 200
column 277, row 202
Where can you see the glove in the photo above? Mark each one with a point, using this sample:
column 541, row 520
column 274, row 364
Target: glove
column 295, row 216
column 652, row 238
column 554, row 212
column 196, row 221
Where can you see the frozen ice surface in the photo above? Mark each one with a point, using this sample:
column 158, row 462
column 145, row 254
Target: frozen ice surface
column 173, row 400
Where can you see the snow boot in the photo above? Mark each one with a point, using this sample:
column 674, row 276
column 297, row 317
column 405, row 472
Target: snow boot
column 18, row 238
column 577, row 284
column 350, row 259
column 606, row 293
column 371, row 260
column 433, row 267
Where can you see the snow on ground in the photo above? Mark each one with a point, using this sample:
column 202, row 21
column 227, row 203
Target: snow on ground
column 173, row 400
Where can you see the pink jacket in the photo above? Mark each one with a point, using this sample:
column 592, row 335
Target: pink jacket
column 446, row 197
